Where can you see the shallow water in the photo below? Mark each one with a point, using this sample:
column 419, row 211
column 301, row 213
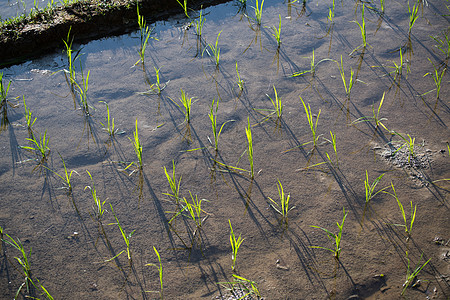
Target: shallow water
column 9, row 8
column 39, row 213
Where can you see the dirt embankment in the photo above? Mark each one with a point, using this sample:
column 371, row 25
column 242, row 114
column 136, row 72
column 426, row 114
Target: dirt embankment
column 89, row 19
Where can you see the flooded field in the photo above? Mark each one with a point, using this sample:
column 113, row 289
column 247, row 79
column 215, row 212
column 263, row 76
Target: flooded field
column 318, row 131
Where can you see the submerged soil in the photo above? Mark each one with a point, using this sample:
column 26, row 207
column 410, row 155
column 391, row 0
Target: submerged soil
column 72, row 254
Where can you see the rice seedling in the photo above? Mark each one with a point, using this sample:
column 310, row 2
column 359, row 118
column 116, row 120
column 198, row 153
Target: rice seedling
column 240, row 82
column 242, row 288
column 411, row 276
column 382, row 6
column 437, row 78
column 375, row 116
column 407, row 225
column 70, row 59
column 24, row 262
column 312, row 125
column 174, row 185
column 98, row 207
column 276, row 110
column 145, row 35
column 443, row 44
column 258, row 12
column 109, row 126
column 28, row 116
column 199, row 24
column 215, row 50
column 137, row 147
column 39, row 145
column 313, row 67
column 184, row 6
column 126, row 237
column 348, row 88
column 82, row 92
column 160, row 272
column 409, row 143
column 283, row 208
column 331, row 13
column 248, row 132
column 413, row 14
column 362, row 27
column 186, row 102
column 333, row 143
column 370, row 188
column 3, row 91
column 333, row 237
column 235, row 244
column 277, row 33
column 66, row 177
column 213, row 118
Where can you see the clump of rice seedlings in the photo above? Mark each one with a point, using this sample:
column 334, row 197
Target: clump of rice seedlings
column 334, row 238
column 375, row 116
column 362, row 27
column 443, row 44
column 28, row 116
column 313, row 66
column 437, row 78
column 348, row 88
column 370, row 188
column 98, row 207
column 277, row 33
column 40, row 146
column 184, row 6
column 240, row 82
column 283, row 208
column 242, row 288
column 24, row 262
column 66, row 177
column 409, row 143
column 126, row 238
column 186, row 103
column 411, row 275
column 413, row 15
column 407, row 225
column 173, row 183
column 199, row 24
column 213, row 118
column 235, row 244
column 145, row 35
column 137, row 147
column 248, row 132
column 215, row 50
column 312, row 125
column 109, row 126
column 160, row 272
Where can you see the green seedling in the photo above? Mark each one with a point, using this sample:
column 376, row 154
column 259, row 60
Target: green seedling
column 277, row 107
column 145, row 35
column 409, row 143
column 334, row 238
column 258, row 12
column 39, row 145
column 213, row 118
column 240, row 82
column 331, row 13
column 407, row 225
column 413, row 15
column 313, row 67
column 187, row 103
column 160, row 272
column 199, row 24
column 370, row 188
column 312, row 125
column 277, row 33
column 98, row 207
column 348, row 88
column 71, row 58
column 23, row 261
column 215, row 50
column 108, row 126
column 137, row 146
column 443, row 44
column 66, row 177
column 82, row 91
column 382, row 6
column 242, row 288
column 174, row 185
column 437, row 78
column 362, row 27
column 333, row 143
column 184, row 6
column 375, row 116
column 3, row 91
column 28, row 116
column 126, row 237
column 235, row 244
column 283, row 208
column 411, row 276
column 248, row 132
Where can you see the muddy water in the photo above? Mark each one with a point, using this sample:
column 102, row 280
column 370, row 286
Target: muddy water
column 71, row 251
